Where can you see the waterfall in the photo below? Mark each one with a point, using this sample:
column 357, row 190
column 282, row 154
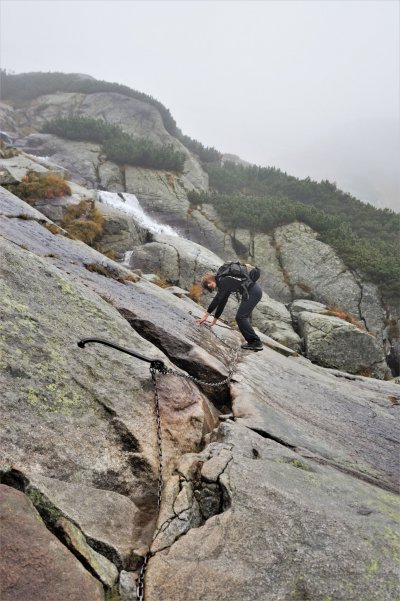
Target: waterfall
column 129, row 204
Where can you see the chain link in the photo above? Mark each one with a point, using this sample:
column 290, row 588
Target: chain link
column 231, row 370
column 171, row 372
column 140, row 580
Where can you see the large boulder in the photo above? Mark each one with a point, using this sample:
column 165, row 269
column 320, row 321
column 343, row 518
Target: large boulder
column 314, row 271
column 333, row 342
column 180, row 261
column 300, row 305
column 121, row 233
column 272, row 318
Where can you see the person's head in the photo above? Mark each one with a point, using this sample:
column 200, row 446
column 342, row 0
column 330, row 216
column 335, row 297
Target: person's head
column 208, row 281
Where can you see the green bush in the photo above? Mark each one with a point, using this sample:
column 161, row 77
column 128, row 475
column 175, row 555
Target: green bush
column 76, row 127
column 119, row 146
column 205, row 154
column 123, row 149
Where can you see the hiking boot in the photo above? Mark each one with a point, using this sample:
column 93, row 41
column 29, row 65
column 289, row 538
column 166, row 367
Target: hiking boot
column 252, row 346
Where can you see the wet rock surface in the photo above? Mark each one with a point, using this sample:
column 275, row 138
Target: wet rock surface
column 295, row 489
column 350, row 424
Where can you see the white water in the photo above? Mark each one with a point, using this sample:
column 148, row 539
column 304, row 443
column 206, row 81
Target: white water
column 127, row 258
column 131, row 206
column 38, row 157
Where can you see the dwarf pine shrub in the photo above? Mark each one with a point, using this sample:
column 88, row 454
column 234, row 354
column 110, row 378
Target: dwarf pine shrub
column 81, row 128
column 119, row 146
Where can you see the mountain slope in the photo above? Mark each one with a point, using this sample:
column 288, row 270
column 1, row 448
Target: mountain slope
column 301, row 469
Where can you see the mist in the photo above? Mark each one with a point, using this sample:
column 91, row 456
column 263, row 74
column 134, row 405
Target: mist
column 309, row 87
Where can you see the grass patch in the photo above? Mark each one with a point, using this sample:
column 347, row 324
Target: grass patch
column 38, row 186
column 113, row 595
column 195, row 293
column 109, row 271
column 365, row 371
column 53, row 228
column 83, row 222
column 161, row 282
column 336, row 311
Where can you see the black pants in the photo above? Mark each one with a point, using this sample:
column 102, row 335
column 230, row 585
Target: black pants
column 244, row 311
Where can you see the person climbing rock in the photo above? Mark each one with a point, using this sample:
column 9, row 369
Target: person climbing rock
column 233, row 277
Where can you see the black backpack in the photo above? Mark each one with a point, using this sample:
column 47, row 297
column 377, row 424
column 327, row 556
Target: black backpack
column 239, row 272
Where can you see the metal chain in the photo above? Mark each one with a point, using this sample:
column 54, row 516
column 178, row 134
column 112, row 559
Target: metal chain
column 159, row 438
column 140, row 579
column 231, row 370
column 169, row 372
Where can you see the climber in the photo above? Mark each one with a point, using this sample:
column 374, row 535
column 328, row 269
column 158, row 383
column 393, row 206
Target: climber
column 226, row 282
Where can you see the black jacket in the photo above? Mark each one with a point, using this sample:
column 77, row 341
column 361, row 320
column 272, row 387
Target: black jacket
column 225, row 286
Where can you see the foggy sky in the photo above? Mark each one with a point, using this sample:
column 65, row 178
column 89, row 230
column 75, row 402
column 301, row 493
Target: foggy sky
column 311, row 87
